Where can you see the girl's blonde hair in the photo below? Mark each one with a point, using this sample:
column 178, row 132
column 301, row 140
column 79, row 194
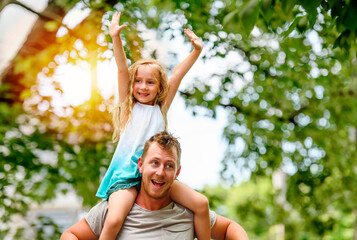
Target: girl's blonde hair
column 127, row 106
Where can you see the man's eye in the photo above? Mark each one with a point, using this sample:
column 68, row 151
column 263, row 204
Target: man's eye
column 170, row 166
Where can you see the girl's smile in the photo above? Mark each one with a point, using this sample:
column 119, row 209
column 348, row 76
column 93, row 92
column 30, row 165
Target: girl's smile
column 146, row 86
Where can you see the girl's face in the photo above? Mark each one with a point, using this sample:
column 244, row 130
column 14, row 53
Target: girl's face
column 146, row 85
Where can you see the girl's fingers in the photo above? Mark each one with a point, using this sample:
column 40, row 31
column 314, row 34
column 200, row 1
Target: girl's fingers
column 121, row 27
column 116, row 17
column 119, row 14
column 195, row 41
column 187, row 32
column 190, row 34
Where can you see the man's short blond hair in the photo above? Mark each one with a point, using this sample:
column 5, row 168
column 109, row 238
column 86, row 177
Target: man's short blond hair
column 167, row 142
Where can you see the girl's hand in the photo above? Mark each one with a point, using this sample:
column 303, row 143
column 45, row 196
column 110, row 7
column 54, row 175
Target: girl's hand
column 196, row 41
column 114, row 27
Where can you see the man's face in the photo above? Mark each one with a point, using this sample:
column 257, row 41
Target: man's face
column 159, row 170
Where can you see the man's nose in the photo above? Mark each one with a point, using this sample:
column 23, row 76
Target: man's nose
column 160, row 170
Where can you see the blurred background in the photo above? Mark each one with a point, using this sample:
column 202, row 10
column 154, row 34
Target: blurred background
column 267, row 116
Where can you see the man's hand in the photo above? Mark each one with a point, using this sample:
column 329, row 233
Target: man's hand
column 114, row 27
column 226, row 229
column 79, row 231
column 195, row 41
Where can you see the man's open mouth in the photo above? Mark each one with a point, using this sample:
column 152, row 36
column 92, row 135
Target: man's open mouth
column 157, row 183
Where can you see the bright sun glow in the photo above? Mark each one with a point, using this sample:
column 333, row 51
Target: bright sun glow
column 75, row 82
column 107, row 79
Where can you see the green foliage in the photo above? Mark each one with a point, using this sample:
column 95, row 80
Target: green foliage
column 46, row 229
column 297, row 112
column 292, row 110
column 257, row 206
column 293, row 119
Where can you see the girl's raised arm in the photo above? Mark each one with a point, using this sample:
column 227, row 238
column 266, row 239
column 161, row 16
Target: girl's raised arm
column 120, row 57
column 181, row 69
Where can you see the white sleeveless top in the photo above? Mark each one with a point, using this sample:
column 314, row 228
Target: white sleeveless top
column 123, row 171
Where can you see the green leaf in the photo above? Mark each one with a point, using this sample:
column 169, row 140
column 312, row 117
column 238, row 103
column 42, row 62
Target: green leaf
column 229, row 17
column 311, row 9
column 291, row 27
column 288, row 5
column 249, row 15
column 267, row 9
column 350, row 19
column 310, row 6
column 302, row 24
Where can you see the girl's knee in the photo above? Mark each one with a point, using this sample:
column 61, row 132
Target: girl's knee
column 114, row 221
column 204, row 200
column 203, row 204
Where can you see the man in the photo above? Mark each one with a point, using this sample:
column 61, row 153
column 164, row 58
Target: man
column 154, row 215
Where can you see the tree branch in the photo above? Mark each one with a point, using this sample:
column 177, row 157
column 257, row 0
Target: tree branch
column 15, row 2
column 4, row 3
column 40, row 15
column 249, row 113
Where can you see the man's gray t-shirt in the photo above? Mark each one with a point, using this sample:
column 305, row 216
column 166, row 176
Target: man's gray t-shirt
column 170, row 222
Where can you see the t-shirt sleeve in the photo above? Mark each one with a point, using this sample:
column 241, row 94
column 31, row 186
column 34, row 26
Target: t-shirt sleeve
column 96, row 217
column 212, row 217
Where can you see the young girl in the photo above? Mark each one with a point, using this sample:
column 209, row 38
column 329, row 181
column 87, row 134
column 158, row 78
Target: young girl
column 145, row 96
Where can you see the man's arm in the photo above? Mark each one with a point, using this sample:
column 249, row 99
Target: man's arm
column 80, row 230
column 226, row 229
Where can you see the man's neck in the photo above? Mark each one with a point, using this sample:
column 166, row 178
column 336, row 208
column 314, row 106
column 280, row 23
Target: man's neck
column 151, row 203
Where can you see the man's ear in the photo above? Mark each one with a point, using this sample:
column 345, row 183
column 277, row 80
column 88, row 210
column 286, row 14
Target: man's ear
column 178, row 172
column 140, row 165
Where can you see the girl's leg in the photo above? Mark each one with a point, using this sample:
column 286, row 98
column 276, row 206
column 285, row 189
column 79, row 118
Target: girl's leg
column 119, row 205
column 197, row 203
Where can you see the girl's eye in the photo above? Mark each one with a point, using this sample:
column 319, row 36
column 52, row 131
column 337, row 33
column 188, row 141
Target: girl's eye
column 138, row 81
column 170, row 166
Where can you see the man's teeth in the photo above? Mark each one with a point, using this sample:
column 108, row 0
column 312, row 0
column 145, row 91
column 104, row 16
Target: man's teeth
column 157, row 182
